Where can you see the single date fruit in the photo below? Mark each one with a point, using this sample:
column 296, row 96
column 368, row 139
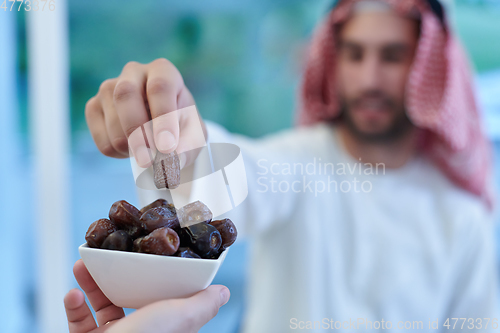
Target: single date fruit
column 162, row 241
column 194, row 213
column 159, row 217
column 227, row 232
column 156, row 203
column 202, row 238
column 118, row 240
column 126, row 217
column 98, row 231
column 167, row 170
column 186, row 252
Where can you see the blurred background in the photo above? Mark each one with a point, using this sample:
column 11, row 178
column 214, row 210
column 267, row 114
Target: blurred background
column 241, row 60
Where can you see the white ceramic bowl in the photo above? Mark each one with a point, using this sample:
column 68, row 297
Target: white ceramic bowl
column 133, row 280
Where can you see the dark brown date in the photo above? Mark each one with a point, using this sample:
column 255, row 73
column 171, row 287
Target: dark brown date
column 202, row 238
column 186, row 252
column 159, row 217
column 227, row 231
column 156, row 203
column 118, row 240
column 167, row 170
column 98, row 231
column 194, row 213
column 126, row 217
column 162, row 241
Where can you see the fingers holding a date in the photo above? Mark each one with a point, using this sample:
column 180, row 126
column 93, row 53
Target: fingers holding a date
column 138, row 113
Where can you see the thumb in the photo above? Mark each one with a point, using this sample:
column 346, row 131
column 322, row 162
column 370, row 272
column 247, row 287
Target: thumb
column 206, row 304
column 175, row 315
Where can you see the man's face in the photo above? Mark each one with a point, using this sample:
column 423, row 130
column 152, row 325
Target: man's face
column 376, row 50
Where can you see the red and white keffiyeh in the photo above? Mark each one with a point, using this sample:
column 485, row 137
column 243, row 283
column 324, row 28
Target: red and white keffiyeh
column 439, row 95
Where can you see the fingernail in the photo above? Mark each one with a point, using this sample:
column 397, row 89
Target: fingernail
column 166, row 141
column 142, row 156
column 224, row 296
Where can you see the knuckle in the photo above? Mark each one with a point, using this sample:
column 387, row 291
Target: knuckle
column 107, row 150
column 125, row 90
column 129, row 130
column 158, row 86
column 107, row 86
column 162, row 62
column 131, row 65
column 120, row 144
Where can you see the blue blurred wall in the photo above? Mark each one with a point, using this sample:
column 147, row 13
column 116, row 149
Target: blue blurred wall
column 14, row 315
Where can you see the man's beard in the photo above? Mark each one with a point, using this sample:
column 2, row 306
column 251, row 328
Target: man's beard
column 400, row 125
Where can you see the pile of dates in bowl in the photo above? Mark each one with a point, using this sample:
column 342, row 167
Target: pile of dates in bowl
column 155, row 229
